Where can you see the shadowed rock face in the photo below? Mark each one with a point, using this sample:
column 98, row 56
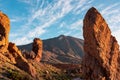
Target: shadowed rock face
column 4, row 32
column 100, row 61
column 37, row 49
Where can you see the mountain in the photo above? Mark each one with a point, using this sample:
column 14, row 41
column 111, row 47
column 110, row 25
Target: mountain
column 14, row 65
column 61, row 49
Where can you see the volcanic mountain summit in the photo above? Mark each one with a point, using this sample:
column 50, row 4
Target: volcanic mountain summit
column 61, row 49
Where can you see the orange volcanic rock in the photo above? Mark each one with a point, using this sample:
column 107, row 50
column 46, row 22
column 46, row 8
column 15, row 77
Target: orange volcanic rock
column 20, row 61
column 11, row 52
column 37, row 49
column 4, row 32
column 100, row 61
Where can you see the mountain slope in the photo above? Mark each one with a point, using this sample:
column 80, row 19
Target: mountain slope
column 62, row 49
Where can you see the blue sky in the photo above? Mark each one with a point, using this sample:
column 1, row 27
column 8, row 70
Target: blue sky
column 50, row 18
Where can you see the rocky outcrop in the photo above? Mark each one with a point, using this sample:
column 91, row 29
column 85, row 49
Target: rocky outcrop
column 10, row 52
column 100, row 61
column 37, row 49
column 4, row 32
column 19, row 60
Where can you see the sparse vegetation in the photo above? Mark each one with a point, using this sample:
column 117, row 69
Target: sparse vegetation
column 16, row 75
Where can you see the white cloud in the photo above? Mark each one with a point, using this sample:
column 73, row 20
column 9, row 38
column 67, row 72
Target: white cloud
column 68, row 33
column 62, row 25
column 16, row 19
column 82, row 9
column 117, row 35
column 81, row 6
column 110, row 8
column 78, row 35
column 112, row 17
column 46, row 17
column 13, row 20
column 22, row 40
column 30, row 2
column 36, row 32
column 13, row 35
column 77, row 25
column 43, row 14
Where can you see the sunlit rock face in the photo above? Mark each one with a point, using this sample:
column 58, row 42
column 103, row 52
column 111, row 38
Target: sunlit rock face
column 20, row 61
column 100, row 61
column 37, row 49
column 4, row 32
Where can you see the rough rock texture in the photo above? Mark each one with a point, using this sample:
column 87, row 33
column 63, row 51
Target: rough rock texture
column 20, row 61
column 37, row 49
column 101, row 49
column 4, row 32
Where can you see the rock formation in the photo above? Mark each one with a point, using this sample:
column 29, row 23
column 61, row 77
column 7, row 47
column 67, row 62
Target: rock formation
column 4, row 32
column 20, row 61
column 100, row 61
column 9, row 50
column 37, row 49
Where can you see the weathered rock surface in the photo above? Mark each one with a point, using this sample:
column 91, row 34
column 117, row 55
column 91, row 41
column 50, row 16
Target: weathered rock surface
column 37, row 49
column 8, row 51
column 100, row 61
column 20, row 61
column 4, row 32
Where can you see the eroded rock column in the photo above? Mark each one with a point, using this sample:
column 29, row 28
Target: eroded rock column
column 100, row 61
column 37, row 49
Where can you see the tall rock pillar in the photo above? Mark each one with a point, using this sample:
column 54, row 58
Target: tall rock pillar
column 100, row 61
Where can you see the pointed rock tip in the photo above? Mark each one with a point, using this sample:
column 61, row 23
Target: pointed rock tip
column 92, row 10
column 1, row 13
column 37, row 39
column 92, row 15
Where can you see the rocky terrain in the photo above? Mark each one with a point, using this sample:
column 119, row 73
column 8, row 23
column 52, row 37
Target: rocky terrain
column 102, row 56
column 63, row 57
column 16, row 66
column 69, row 50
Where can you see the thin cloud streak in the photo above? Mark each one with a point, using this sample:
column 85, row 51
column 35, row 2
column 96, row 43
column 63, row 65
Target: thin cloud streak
column 43, row 14
column 47, row 16
column 112, row 16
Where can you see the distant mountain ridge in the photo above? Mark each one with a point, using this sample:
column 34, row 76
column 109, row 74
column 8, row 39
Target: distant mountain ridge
column 61, row 49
